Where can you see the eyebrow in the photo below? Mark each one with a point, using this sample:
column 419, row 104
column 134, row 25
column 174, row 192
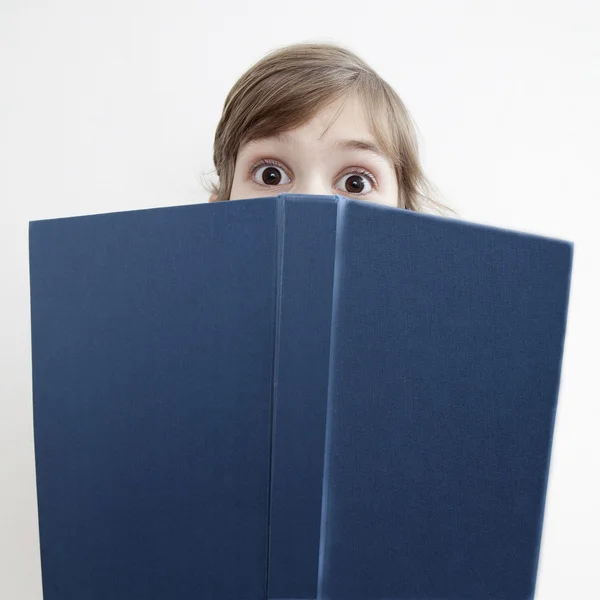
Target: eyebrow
column 364, row 145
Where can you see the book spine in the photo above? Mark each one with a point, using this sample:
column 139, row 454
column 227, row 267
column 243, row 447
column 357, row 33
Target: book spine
column 305, row 253
column 325, row 498
column 278, row 279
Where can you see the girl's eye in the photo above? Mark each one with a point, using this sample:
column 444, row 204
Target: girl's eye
column 355, row 183
column 271, row 173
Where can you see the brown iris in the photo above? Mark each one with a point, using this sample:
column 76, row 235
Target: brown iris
column 271, row 176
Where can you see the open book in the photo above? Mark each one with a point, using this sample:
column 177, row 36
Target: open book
column 293, row 397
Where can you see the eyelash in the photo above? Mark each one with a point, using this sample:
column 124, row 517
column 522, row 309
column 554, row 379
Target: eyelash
column 274, row 163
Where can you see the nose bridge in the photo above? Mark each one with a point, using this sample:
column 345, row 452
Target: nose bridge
column 313, row 182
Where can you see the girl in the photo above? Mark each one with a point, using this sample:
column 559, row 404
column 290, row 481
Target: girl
column 313, row 118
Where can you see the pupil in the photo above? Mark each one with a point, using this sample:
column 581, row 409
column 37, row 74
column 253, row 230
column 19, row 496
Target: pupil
column 355, row 183
column 271, row 175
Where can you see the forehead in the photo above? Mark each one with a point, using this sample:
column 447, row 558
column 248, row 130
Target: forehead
column 341, row 126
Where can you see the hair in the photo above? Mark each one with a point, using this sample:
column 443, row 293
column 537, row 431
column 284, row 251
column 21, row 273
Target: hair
column 287, row 87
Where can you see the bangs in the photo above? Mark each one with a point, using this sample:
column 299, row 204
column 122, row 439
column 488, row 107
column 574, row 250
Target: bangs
column 287, row 110
column 291, row 107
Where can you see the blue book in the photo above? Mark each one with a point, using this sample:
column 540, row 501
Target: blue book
column 293, row 397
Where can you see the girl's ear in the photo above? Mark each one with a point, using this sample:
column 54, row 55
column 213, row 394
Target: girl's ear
column 213, row 198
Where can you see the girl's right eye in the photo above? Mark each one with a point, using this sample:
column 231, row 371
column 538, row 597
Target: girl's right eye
column 268, row 172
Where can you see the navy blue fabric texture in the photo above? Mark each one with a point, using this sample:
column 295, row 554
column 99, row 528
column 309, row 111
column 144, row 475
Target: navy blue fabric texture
column 446, row 351
column 293, row 397
column 153, row 339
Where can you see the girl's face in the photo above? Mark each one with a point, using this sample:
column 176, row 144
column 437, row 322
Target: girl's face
column 345, row 160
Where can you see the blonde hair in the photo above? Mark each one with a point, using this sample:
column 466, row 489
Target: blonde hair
column 287, row 87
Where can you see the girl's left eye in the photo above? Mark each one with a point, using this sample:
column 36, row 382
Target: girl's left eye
column 354, row 180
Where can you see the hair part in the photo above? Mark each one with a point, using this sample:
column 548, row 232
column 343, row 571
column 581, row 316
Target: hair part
column 290, row 85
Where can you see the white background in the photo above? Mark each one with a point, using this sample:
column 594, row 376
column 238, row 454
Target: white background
column 111, row 105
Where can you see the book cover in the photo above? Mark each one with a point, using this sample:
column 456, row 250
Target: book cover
column 293, row 397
